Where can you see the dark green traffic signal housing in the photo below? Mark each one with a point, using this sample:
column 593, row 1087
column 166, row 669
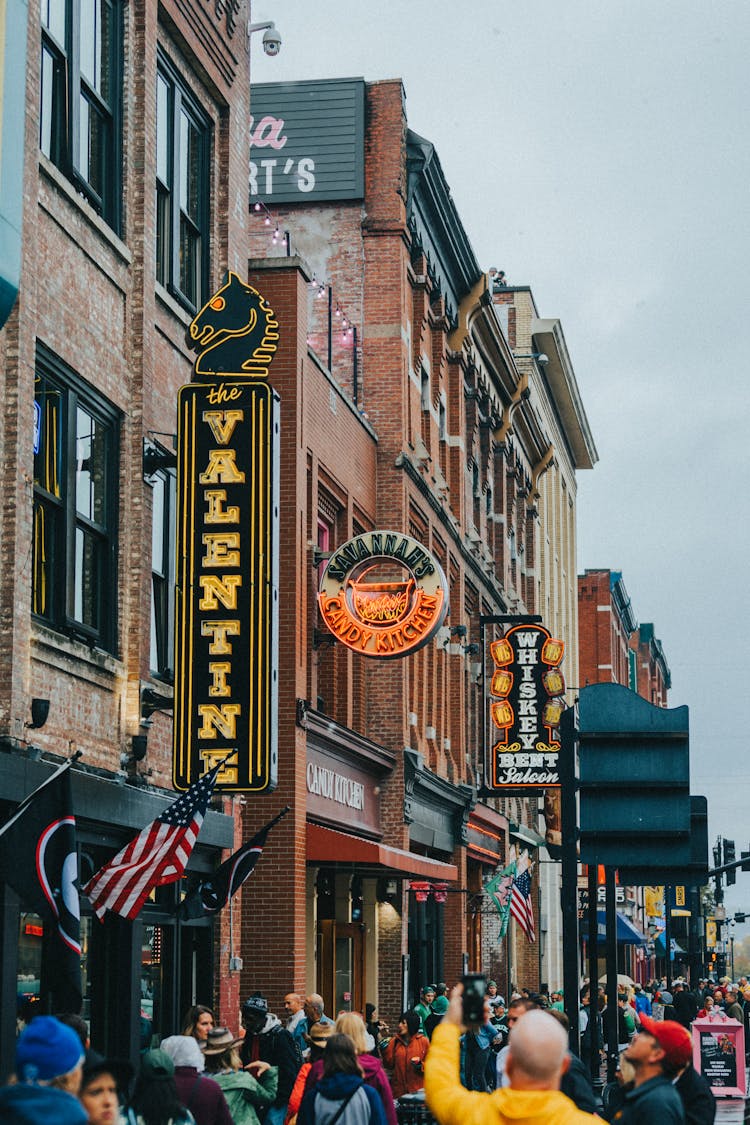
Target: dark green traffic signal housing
column 729, row 857
column 634, row 780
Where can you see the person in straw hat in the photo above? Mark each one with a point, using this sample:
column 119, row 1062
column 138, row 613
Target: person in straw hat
column 316, row 1038
column 246, row 1090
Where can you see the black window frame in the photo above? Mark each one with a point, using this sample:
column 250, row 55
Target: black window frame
column 169, row 211
column 70, row 86
column 163, row 580
column 54, row 574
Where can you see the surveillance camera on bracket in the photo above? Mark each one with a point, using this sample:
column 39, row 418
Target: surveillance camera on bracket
column 271, row 37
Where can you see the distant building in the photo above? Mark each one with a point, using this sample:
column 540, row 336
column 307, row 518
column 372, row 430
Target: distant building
column 606, row 623
column 652, row 676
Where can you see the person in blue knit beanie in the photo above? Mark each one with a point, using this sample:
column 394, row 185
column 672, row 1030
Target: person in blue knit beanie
column 44, row 1088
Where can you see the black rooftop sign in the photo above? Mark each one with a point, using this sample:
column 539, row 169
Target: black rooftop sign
column 307, row 141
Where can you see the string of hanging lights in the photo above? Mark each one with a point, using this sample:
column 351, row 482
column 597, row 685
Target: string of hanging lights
column 321, row 288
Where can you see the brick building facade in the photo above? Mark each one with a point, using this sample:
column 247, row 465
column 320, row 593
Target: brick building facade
column 606, row 622
column 135, row 188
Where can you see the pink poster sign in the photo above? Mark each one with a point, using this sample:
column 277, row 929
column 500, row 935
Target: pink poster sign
column 719, row 1055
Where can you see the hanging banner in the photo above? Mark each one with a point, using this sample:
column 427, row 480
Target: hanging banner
column 525, row 706
column 653, row 900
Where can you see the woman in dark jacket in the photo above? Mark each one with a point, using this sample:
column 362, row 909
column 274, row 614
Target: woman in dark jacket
column 201, row 1095
column 341, row 1096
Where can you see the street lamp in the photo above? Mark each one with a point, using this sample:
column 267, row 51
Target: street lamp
column 541, row 357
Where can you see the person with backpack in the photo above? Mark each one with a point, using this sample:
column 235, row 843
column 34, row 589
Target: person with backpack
column 266, row 1040
column 352, row 1024
column 341, row 1097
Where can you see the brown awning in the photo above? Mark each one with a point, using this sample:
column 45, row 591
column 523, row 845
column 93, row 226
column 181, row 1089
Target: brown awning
column 325, row 845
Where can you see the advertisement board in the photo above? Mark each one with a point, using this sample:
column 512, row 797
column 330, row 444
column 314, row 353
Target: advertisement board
column 525, row 703
column 307, row 141
column 226, row 604
column 719, row 1055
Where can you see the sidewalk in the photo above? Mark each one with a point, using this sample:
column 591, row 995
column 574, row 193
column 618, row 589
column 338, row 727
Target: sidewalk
column 730, row 1111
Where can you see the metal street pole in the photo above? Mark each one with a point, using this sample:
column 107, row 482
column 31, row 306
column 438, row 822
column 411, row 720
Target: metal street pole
column 611, row 1029
column 694, row 929
column 593, row 952
column 731, row 946
column 569, row 889
column 668, row 934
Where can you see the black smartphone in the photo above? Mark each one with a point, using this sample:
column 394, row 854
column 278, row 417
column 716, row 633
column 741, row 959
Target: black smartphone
column 475, row 990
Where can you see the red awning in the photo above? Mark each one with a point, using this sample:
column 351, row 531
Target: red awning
column 324, row 845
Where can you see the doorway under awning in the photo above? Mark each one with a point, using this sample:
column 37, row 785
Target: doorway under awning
column 627, row 933
column 326, row 845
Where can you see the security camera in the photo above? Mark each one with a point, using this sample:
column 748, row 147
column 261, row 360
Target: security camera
column 271, row 41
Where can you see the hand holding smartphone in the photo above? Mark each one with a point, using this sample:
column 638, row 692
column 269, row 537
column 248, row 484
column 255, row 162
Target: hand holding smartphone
column 475, row 990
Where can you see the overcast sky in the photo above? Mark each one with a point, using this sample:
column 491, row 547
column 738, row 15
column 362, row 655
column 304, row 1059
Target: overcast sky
column 598, row 151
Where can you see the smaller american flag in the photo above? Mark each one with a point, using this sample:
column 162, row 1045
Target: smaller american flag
column 520, row 904
column 158, row 855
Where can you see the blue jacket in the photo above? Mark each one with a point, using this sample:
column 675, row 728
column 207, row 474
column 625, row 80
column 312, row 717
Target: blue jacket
column 320, row 1104
column 643, row 1003
column 40, row 1105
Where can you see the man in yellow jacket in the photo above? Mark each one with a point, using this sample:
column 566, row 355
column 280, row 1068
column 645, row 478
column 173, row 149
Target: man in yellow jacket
column 537, row 1058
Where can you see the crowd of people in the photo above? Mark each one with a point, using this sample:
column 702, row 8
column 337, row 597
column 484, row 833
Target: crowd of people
column 512, row 1065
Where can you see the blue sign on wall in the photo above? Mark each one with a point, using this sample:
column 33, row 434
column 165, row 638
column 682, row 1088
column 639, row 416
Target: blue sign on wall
column 307, row 141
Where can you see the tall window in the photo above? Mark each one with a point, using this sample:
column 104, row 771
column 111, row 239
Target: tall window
column 80, row 93
column 75, row 506
column 163, row 574
column 182, row 189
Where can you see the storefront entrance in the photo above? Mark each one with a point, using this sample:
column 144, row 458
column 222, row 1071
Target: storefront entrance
column 341, row 965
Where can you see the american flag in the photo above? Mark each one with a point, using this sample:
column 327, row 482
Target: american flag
column 157, row 856
column 520, row 904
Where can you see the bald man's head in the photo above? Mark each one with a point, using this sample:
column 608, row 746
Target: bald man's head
column 538, row 1052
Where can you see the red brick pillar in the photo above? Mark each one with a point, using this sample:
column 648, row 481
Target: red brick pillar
column 274, row 930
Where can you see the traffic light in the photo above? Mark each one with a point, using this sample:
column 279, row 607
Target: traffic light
column 745, row 856
column 717, row 852
column 739, row 916
column 729, row 857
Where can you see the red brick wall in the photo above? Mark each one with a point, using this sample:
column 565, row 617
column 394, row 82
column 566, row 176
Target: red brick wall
column 602, row 641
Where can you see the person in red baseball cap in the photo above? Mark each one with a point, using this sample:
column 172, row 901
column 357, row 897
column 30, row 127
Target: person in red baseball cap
column 657, row 1053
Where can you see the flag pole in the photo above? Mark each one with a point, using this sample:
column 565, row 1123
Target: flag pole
column 27, row 800
column 277, row 818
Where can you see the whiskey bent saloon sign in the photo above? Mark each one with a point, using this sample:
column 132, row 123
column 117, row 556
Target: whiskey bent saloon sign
column 226, row 646
column 525, row 706
column 383, row 594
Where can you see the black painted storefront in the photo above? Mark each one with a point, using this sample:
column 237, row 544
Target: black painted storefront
column 138, row 977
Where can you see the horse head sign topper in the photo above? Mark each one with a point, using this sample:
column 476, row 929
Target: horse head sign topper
column 235, row 333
